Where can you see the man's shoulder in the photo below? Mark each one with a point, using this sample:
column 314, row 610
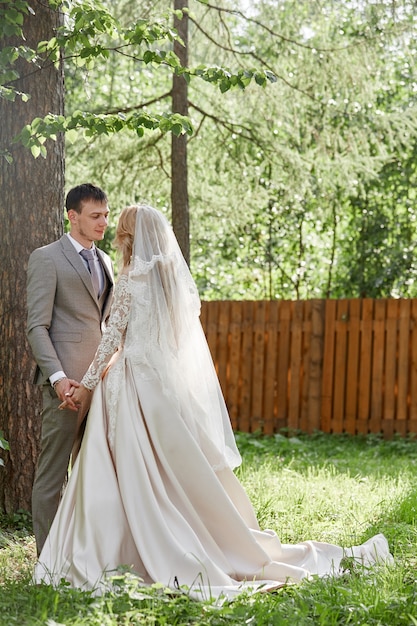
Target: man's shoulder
column 49, row 248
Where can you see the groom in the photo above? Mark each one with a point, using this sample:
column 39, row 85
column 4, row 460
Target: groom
column 69, row 300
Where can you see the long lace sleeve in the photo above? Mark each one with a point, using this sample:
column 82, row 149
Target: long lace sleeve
column 113, row 336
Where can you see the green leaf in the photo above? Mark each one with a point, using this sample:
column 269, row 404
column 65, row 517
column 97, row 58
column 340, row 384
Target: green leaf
column 177, row 129
column 25, row 135
column 260, row 79
column 7, row 94
column 36, row 122
column 149, row 56
column 71, row 135
column 11, row 29
column 35, row 150
column 42, row 46
column 86, row 52
column 4, row 445
column 14, row 16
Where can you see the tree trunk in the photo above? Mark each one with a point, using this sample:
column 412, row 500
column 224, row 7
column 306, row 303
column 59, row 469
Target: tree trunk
column 31, row 214
column 179, row 176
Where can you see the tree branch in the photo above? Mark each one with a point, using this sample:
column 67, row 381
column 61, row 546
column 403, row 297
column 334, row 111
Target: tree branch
column 251, row 54
column 289, row 40
column 136, row 107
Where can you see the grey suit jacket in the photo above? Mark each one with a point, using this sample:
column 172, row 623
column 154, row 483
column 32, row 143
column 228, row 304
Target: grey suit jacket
column 65, row 318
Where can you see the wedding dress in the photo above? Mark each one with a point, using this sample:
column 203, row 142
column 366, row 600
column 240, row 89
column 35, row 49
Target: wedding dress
column 153, row 488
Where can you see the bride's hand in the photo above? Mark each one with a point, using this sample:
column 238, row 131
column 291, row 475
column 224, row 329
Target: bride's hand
column 77, row 398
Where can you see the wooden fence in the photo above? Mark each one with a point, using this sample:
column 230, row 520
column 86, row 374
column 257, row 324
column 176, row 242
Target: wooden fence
column 330, row 365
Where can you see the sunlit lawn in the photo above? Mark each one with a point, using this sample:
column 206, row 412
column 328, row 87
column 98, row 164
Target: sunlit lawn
column 331, row 488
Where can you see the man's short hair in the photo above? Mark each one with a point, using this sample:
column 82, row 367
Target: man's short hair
column 79, row 194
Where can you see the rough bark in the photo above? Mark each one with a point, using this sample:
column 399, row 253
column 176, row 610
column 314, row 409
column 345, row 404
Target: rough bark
column 31, row 214
column 179, row 181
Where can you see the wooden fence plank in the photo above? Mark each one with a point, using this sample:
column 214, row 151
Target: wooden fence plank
column 316, row 364
column 390, row 370
column 257, row 415
column 269, row 386
column 246, row 367
column 352, row 369
column 283, row 362
column 403, row 367
column 328, row 366
column 304, row 413
column 378, row 353
column 340, row 365
column 295, row 366
column 365, row 366
column 233, row 386
column 412, row 425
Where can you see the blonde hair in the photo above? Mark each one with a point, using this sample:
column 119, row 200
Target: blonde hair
column 125, row 233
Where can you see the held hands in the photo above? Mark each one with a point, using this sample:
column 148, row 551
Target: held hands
column 77, row 398
column 63, row 391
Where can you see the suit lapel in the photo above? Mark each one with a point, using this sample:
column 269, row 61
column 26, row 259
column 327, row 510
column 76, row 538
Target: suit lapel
column 76, row 261
column 105, row 263
column 108, row 283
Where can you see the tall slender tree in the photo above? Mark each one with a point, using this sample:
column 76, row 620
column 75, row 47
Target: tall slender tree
column 31, row 214
column 179, row 170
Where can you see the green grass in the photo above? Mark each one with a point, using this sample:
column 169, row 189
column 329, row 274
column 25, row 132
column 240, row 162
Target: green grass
column 340, row 489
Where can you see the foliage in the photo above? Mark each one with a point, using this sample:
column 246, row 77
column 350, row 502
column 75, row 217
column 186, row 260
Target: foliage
column 89, row 36
column 337, row 127
column 11, row 22
column 4, row 445
column 301, row 190
column 295, row 482
column 281, row 181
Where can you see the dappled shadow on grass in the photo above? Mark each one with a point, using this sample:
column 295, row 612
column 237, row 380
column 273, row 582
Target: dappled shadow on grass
column 383, row 596
column 399, row 524
column 129, row 603
column 15, row 526
column 363, row 455
column 17, row 559
column 328, row 483
column 17, row 547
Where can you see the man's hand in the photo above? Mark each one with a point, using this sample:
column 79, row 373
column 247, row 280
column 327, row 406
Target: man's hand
column 64, row 390
column 77, row 398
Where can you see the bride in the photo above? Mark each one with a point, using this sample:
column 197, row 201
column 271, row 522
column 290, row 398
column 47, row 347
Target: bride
column 153, row 487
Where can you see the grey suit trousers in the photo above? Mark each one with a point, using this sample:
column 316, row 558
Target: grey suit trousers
column 59, row 430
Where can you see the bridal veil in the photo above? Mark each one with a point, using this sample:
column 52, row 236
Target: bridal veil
column 174, row 347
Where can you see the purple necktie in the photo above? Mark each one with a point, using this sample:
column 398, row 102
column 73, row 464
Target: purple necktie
column 88, row 255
